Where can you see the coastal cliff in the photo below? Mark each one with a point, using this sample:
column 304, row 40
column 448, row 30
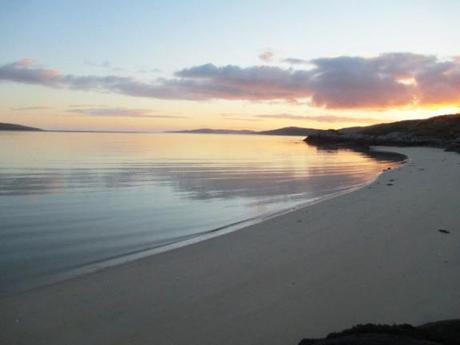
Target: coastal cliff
column 439, row 131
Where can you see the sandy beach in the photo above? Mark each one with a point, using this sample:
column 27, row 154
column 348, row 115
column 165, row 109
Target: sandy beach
column 373, row 255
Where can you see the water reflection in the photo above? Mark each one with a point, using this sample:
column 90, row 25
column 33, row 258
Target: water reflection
column 199, row 178
column 69, row 200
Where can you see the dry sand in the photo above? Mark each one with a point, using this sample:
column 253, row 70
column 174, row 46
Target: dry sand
column 374, row 255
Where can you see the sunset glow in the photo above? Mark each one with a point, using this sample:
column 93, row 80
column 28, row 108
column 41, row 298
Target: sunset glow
column 274, row 77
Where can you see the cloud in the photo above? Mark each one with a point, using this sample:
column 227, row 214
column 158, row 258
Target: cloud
column 267, row 56
column 238, row 117
column 243, row 119
column 86, row 105
column 321, row 118
column 103, row 64
column 29, row 108
column 315, row 118
column 248, row 83
column 120, row 112
column 25, row 62
column 295, row 61
column 344, row 82
column 106, row 64
column 148, row 70
column 26, row 71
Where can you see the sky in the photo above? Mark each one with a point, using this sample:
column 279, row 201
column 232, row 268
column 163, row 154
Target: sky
column 163, row 65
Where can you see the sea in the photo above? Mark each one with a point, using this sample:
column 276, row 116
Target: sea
column 73, row 203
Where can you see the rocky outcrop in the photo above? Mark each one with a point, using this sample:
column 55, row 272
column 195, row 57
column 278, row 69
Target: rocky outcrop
column 454, row 145
column 436, row 333
column 394, row 138
column 441, row 131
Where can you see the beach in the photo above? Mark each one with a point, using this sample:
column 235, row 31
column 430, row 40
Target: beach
column 373, row 255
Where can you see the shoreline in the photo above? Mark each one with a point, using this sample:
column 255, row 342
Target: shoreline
column 273, row 282
column 113, row 262
column 97, row 266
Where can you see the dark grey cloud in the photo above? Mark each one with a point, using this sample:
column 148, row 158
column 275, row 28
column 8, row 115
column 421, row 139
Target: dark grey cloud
column 394, row 79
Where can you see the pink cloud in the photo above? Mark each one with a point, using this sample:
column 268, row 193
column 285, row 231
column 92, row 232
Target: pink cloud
column 339, row 82
column 25, row 62
column 267, row 56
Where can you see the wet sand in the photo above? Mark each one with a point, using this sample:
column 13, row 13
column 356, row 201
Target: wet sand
column 374, row 255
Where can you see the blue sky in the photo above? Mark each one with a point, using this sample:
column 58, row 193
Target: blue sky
column 171, row 35
column 152, row 39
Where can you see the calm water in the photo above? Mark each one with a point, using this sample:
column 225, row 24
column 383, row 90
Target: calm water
column 70, row 202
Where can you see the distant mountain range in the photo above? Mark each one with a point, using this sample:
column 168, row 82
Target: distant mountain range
column 15, row 127
column 294, row 131
column 214, row 131
column 439, row 131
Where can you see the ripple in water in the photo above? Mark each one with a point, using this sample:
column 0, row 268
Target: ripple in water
column 72, row 200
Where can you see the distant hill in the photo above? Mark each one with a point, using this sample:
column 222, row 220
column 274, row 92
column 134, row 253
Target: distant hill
column 439, row 131
column 16, row 127
column 215, row 131
column 294, row 131
column 441, row 127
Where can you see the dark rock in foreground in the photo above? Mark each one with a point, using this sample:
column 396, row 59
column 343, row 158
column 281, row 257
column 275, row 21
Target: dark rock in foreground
column 436, row 333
